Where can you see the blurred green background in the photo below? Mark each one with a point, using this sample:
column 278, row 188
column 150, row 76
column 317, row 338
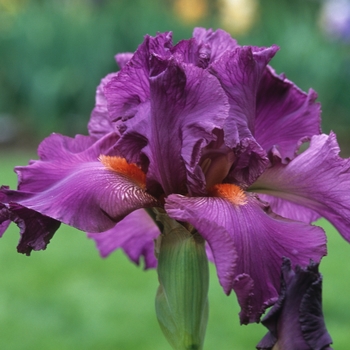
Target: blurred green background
column 54, row 53
column 52, row 56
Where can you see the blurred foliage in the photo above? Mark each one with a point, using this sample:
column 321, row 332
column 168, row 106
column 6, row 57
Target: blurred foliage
column 54, row 53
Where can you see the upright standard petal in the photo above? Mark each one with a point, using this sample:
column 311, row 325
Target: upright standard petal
column 100, row 122
column 260, row 239
column 285, row 115
column 130, row 87
column 123, row 58
column 187, row 105
column 317, row 179
column 239, row 72
column 135, row 234
column 205, row 47
column 215, row 42
column 296, row 320
column 251, row 161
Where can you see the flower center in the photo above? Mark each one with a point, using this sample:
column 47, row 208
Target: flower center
column 122, row 167
column 230, row 192
column 216, row 167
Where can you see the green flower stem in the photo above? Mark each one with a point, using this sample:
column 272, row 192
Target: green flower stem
column 182, row 296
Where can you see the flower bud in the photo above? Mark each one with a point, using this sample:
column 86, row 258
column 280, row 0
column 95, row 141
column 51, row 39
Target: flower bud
column 182, row 296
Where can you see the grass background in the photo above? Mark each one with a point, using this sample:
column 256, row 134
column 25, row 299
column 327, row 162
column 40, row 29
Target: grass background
column 67, row 297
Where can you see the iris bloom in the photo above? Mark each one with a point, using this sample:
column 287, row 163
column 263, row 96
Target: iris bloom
column 206, row 132
column 296, row 320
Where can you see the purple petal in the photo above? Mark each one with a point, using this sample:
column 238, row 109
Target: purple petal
column 4, row 218
column 57, row 150
column 317, row 179
column 296, row 320
column 36, row 230
column 289, row 209
column 220, row 243
column 260, row 239
column 285, row 115
column 76, row 188
column 205, row 47
column 127, row 90
column 123, row 58
column 135, row 234
column 216, row 44
column 240, row 72
column 251, row 161
column 100, row 122
column 187, row 105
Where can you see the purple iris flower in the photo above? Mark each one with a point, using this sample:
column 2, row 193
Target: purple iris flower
column 206, row 132
column 296, row 320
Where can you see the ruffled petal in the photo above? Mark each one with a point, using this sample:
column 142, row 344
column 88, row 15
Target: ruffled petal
column 251, row 161
column 285, row 115
column 127, row 90
column 135, row 234
column 289, row 209
column 240, row 72
column 123, row 58
column 296, row 320
column 100, row 122
column 76, row 188
column 221, row 245
column 317, row 179
column 4, row 218
column 205, row 47
column 187, row 105
column 36, row 230
column 58, row 154
column 260, row 239
column 212, row 44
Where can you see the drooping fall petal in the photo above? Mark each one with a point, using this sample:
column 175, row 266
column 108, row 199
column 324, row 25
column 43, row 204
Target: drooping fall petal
column 73, row 186
column 317, row 179
column 135, row 234
column 260, row 239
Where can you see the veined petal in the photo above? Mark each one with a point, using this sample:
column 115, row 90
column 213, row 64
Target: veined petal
column 100, row 122
column 285, row 115
column 205, row 47
column 251, row 161
column 289, row 209
column 135, row 234
column 317, row 179
column 123, row 58
column 260, row 240
column 89, row 197
column 36, row 230
column 239, row 72
column 76, row 188
column 216, row 42
column 187, row 105
column 220, row 243
column 58, row 154
column 130, row 87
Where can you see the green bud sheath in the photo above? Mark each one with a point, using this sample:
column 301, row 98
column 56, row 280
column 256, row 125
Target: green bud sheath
column 182, row 296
